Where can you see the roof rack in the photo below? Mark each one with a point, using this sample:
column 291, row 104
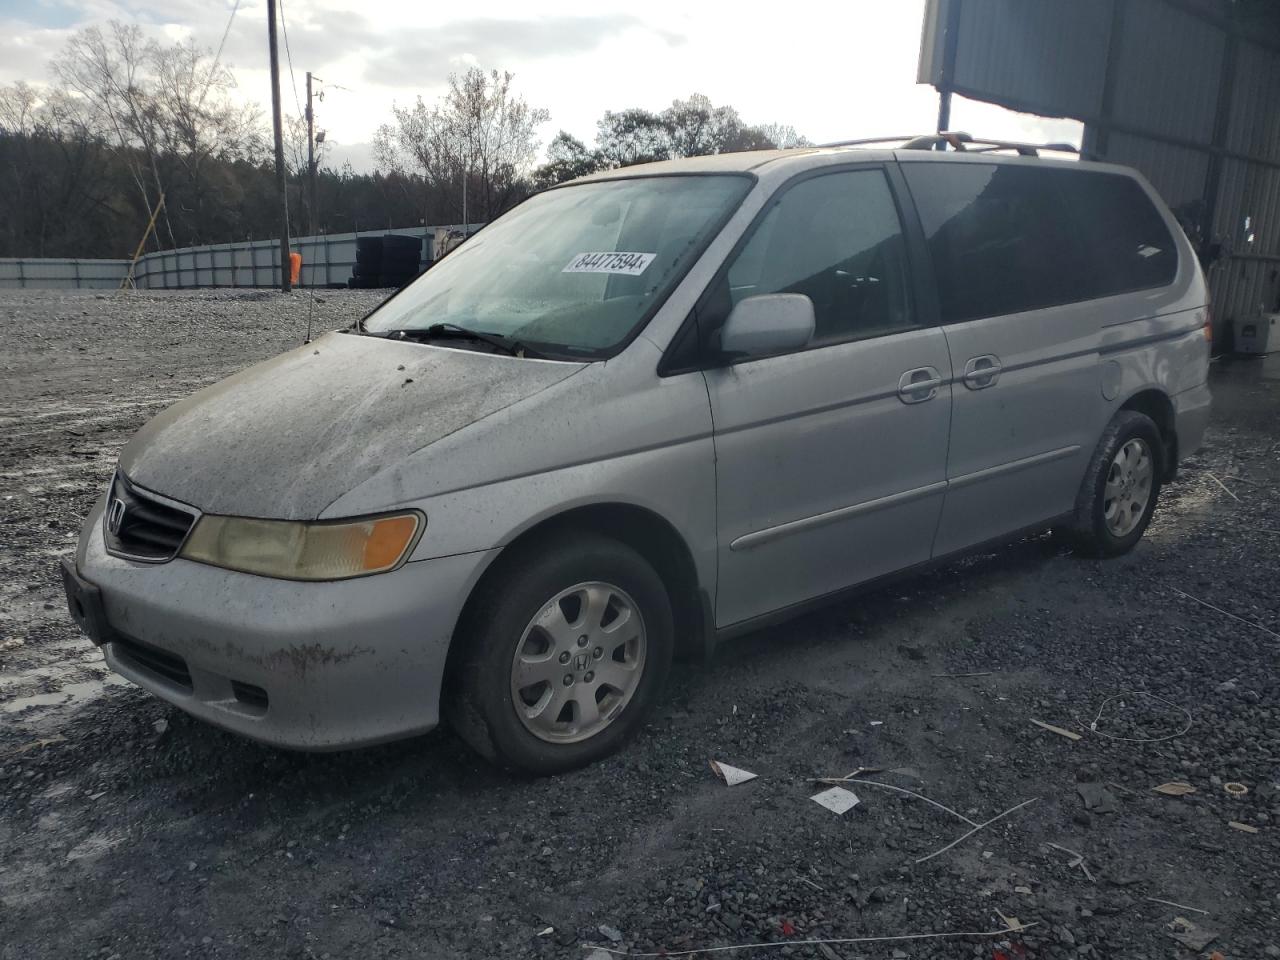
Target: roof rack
column 961, row 142
column 865, row 141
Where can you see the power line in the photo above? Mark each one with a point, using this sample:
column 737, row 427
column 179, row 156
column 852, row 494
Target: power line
column 289, row 57
column 217, row 57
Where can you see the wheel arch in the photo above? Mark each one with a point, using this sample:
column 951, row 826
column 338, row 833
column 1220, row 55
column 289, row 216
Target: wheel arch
column 1155, row 403
column 648, row 533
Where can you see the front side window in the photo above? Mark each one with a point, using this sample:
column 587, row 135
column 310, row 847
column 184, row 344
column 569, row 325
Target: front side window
column 573, row 271
column 837, row 239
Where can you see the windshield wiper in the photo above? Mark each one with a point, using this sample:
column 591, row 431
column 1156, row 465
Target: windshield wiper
column 451, row 331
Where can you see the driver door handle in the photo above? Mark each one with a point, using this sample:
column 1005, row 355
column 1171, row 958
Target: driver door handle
column 919, row 385
column 982, row 372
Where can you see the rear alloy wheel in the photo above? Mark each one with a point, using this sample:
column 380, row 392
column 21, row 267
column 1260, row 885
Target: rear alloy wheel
column 566, row 649
column 1118, row 495
column 1128, row 488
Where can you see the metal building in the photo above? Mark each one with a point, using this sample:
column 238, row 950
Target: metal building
column 1187, row 91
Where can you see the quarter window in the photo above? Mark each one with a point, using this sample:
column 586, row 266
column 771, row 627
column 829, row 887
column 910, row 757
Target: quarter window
column 838, row 240
column 1129, row 238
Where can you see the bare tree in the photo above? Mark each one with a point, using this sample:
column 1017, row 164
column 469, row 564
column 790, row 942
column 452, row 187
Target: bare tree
column 107, row 70
column 475, row 145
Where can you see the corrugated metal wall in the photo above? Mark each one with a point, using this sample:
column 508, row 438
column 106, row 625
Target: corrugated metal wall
column 1183, row 90
column 252, row 263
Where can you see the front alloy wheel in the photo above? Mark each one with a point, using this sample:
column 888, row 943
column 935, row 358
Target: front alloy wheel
column 565, row 648
column 578, row 662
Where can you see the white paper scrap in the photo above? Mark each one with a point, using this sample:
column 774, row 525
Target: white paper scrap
column 837, row 799
column 732, row 776
column 630, row 264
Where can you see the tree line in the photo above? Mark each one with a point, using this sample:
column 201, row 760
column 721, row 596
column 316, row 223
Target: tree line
column 126, row 121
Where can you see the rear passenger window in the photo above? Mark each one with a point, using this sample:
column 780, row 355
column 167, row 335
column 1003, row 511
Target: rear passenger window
column 837, row 239
column 1129, row 238
column 1000, row 237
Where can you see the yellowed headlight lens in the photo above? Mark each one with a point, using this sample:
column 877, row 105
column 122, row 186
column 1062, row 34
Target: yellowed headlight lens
column 303, row 551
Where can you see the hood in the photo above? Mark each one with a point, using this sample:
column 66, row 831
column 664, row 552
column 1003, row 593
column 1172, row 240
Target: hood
column 287, row 437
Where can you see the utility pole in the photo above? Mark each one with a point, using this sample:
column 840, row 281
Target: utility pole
column 311, row 161
column 286, row 284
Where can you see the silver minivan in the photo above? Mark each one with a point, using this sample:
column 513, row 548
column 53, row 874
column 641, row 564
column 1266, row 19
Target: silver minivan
column 639, row 413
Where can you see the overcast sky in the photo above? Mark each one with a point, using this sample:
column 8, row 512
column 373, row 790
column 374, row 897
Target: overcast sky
column 832, row 70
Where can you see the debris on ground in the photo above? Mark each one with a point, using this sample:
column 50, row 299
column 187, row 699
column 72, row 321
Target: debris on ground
column 732, row 776
column 1189, row 935
column 1097, row 798
column 1236, row 790
column 1077, row 861
column 1242, row 827
column 1175, row 788
column 1060, row 731
column 1227, row 613
column 962, row 676
column 836, row 799
column 612, row 934
column 1093, row 725
column 1180, row 906
column 1014, row 926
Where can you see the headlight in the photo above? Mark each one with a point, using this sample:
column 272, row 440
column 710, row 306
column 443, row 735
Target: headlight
column 322, row 550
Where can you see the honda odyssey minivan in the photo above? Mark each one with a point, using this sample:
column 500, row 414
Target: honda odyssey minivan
column 641, row 412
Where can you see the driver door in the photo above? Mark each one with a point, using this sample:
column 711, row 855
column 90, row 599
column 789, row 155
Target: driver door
column 830, row 460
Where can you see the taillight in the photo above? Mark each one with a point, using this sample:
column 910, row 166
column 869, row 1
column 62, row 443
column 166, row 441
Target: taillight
column 1208, row 322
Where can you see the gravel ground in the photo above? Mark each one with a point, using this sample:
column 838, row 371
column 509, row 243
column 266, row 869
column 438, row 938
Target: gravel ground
column 129, row 830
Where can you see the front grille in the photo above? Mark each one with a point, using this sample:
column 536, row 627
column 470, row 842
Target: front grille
column 144, row 526
column 161, row 663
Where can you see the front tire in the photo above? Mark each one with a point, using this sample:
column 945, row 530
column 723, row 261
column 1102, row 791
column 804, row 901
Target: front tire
column 1118, row 495
column 567, row 651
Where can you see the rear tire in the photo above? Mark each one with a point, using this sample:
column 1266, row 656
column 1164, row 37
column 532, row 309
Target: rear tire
column 567, row 650
column 1118, row 495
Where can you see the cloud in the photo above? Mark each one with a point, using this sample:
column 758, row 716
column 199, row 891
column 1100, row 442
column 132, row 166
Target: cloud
column 25, row 51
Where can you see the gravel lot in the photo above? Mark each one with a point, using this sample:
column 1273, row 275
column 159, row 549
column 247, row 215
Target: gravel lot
column 128, row 830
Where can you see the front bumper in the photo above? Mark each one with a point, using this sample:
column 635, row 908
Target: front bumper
column 311, row 666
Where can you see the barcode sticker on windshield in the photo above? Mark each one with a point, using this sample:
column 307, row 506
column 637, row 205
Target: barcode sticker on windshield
column 631, row 264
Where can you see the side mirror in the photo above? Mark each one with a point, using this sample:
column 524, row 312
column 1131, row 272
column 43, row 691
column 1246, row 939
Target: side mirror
column 769, row 323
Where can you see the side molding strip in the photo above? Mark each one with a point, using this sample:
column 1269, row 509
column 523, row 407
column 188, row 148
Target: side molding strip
column 749, row 540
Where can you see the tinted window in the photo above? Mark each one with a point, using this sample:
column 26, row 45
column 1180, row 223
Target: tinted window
column 1131, row 243
column 1000, row 237
column 838, row 240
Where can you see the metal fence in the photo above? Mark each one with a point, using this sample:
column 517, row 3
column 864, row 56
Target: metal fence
column 16, row 272
column 326, row 260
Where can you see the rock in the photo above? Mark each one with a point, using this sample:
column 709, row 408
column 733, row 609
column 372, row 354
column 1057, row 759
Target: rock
column 1096, row 797
column 612, row 934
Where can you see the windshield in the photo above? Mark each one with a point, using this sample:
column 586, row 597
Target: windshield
column 572, row 271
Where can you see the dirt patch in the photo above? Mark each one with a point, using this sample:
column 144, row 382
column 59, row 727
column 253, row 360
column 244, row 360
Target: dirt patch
column 129, row 829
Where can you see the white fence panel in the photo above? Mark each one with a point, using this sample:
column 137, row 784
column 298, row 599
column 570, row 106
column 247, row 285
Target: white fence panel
column 327, row 260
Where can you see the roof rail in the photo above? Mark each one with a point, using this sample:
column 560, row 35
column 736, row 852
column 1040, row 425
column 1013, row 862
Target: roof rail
column 868, row 140
column 963, row 142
